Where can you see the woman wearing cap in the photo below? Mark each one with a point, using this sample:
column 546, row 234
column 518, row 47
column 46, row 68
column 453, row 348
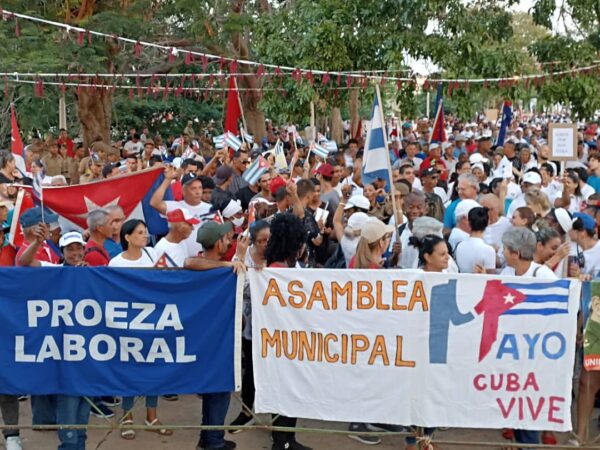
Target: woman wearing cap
column 285, row 246
column 134, row 237
column 233, row 213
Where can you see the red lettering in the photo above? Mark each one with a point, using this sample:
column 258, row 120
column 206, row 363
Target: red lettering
column 477, row 382
column 521, row 413
column 506, row 411
column 535, row 412
column 554, row 408
column 512, row 382
column 531, row 381
column 496, row 382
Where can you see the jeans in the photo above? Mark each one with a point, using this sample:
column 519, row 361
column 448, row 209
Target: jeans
column 71, row 410
column 527, row 436
column 9, row 406
column 151, row 402
column 43, row 409
column 214, row 410
column 412, row 440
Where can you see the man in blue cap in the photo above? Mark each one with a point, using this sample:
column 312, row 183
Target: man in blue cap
column 28, row 220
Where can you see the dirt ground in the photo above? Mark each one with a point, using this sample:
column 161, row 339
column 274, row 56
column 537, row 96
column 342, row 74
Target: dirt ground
column 187, row 411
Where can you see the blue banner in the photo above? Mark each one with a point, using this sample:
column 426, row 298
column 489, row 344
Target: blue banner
column 108, row 331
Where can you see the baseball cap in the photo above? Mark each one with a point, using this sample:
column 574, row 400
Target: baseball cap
column 71, row 237
column 108, row 168
column 460, row 137
column 188, row 178
column 486, row 134
column 532, row 178
column 446, row 145
column 148, row 142
column 374, row 229
column 222, row 174
column 464, row 207
column 433, row 146
column 94, row 160
column 429, row 171
column 181, row 215
column 477, row 158
column 425, row 225
column 33, row 216
column 357, row 220
column 358, row 201
column 232, row 208
column 275, row 184
column 588, row 221
column 326, row 170
column 210, row 232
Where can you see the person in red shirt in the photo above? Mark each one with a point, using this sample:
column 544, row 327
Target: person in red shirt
column 64, row 139
column 7, row 251
column 286, row 244
column 100, row 229
column 28, row 220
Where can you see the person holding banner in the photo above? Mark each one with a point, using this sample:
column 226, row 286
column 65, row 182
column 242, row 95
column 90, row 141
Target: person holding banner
column 134, row 237
column 286, row 245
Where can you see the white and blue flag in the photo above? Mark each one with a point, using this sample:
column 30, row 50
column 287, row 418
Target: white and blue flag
column 247, row 137
column 219, row 141
column 320, row 151
column 232, row 141
column 541, row 298
column 376, row 160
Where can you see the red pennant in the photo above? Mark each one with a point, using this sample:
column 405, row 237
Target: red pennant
column 17, row 28
column 325, row 79
column 89, row 38
column 349, row 81
column 221, row 64
column 233, row 66
column 261, row 71
column 130, row 93
column 278, row 71
column 172, row 55
column 426, row 85
column 383, row 79
column 399, row 84
column 204, row 62
column 339, row 79
column 80, row 37
column 485, row 84
column 6, row 86
column 138, row 49
column 211, row 80
column 188, row 58
column 449, row 89
column 166, row 91
column 63, row 89
column 205, row 95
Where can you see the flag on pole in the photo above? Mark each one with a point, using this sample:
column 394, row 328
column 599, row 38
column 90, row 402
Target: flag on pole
column 16, row 143
column 506, row 121
column 331, row 146
column 376, row 159
column 247, row 137
column 37, row 188
column 439, row 132
column 22, row 204
column 219, row 141
column 232, row 141
column 233, row 112
column 256, row 170
column 319, row 150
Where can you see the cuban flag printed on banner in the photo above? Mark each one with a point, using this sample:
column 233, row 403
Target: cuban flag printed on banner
column 376, row 160
column 320, row 151
column 219, row 141
column 232, row 141
column 256, row 170
column 542, row 299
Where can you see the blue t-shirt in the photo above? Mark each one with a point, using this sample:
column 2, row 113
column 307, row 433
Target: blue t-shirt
column 112, row 248
column 594, row 181
column 449, row 217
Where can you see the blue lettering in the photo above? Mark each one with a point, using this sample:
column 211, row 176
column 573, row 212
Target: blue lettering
column 531, row 341
column 508, row 345
column 562, row 345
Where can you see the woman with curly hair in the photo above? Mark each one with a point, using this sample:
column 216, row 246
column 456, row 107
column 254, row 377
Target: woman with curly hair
column 285, row 246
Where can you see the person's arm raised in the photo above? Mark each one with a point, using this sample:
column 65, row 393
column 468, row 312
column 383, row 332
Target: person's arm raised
column 157, row 201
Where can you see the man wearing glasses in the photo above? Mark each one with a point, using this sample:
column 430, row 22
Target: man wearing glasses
column 239, row 163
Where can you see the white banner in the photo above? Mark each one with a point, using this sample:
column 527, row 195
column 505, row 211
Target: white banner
column 414, row 348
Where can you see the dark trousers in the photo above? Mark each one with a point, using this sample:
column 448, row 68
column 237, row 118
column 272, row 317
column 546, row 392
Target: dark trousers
column 214, row 410
column 9, row 406
column 280, row 438
column 248, row 390
column 527, row 436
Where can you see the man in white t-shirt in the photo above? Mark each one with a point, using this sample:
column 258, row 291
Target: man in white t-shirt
column 497, row 224
column 473, row 255
column 530, row 179
column 171, row 247
column 134, row 146
column 519, row 248
column 192, row 201
column 462, row 229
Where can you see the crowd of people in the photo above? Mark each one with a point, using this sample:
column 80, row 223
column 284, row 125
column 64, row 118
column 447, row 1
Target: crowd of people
column 465, row 205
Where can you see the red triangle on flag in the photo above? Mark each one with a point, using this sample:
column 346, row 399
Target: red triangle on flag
column 23, row 203
column 16, row 144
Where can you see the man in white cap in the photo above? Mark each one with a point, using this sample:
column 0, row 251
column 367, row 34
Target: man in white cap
column 530, row 179
column 181, row 225
column 462, row 229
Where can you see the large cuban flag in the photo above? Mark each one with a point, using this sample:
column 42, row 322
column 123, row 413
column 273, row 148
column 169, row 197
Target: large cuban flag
column 376, row 160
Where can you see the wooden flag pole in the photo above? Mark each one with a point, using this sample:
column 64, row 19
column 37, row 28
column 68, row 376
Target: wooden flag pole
column 387, row 151
column 237, row 93
column 313, row 128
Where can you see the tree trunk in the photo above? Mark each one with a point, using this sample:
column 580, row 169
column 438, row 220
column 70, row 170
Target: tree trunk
column 337, row 126
column 94, row 109
column 256, row 124
column 354, row 112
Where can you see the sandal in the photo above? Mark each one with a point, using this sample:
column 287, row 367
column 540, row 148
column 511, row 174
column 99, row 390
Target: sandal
column 161, row 431
column 127, row 433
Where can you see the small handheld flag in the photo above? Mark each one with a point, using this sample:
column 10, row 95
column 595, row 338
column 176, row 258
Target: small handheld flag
column 376, row 159
column 232, row 141
column 219, row 141
column 319, row 150
column 280, row 161
column 256, row 170
column 247, row 137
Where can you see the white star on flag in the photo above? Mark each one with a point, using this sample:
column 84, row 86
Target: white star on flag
column 509, row 298
column 91, row 206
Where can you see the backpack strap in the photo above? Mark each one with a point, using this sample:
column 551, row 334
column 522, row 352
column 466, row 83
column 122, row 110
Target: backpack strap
column 152, row 260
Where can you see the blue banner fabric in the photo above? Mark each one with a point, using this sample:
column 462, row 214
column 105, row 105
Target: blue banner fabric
column 108, row 331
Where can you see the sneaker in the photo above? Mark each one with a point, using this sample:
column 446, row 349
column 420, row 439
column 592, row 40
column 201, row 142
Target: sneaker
column 23, row 398
column 363, row 439
column 227, row 445
column 171, row 397
column 13, row 443
column 101, row 410
column 571, row 442
column 291, row 445
column 111, row 401
column 241, row 420
column 385, row 427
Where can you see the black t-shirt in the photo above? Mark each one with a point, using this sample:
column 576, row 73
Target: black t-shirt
column 244, row 195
